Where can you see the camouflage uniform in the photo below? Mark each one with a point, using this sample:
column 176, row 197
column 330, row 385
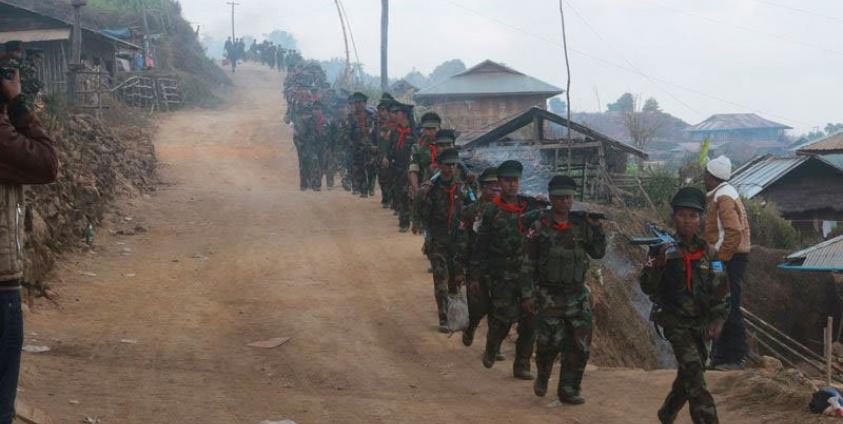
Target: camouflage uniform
column 557, row 261
column 384, row 135
column 686, row 307
column 497, row 258
column 401, row 143
column 360, row 129
column 441, row 209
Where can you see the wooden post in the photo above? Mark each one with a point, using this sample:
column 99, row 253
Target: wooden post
column 384, row 45
column 829, row 348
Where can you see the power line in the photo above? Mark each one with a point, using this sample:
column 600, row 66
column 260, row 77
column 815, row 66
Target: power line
column 350, row 32
column 629, row 62
column 800, row 10
column 746, row 28
column 624, row 68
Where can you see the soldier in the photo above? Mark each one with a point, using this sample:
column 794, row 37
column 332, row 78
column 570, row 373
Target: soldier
column 301, row 119
column 384, row 129
column 690, row 293
column 361, row 124
column 401, row 143
column 319, row 149
column 497, row 255
column 477, row 292
column 558, row 247
column 441, row 202
column 424, row 153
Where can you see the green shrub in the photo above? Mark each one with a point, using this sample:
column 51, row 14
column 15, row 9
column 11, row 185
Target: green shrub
column 768, row 227
column 660, row 184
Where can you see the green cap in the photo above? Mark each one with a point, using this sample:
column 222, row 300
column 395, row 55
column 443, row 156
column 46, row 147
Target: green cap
column 431, row 120
column 689, row 197
column 489, row 175
column 445, row 136
column 448, row 157
column 13, row 45
column 387, row 96
column 397, row 106
column 385, row 103
column 562, row 185
column 359, row 97
column 510, row 168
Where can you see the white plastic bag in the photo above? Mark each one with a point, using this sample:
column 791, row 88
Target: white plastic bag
column 457, row 312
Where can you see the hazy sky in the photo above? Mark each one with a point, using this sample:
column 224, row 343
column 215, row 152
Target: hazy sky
column 782, row 59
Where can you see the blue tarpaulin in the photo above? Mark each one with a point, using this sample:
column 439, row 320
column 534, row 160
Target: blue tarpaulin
column 121, row 33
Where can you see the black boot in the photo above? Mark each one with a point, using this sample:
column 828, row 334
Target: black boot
column 544, row 367
column 521, row 369
column 468, row 334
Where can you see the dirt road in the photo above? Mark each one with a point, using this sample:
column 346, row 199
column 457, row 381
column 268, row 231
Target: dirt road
column 153, row 328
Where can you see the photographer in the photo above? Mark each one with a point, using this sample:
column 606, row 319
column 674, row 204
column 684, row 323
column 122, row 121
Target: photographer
column 27, row 156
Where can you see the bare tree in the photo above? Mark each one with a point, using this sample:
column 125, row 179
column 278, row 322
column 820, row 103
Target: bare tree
column 643, row 125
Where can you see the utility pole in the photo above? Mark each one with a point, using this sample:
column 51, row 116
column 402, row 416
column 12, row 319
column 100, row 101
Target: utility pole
column 232, row 19
column 384, row 45
column 76, row 50
column 145, row 32
column 568, row 88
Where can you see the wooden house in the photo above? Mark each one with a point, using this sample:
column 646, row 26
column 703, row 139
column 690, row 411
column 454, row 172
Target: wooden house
column 595, row 158
column 746, row 127
column 53, row 36
column 485, row 94
column 806, row 190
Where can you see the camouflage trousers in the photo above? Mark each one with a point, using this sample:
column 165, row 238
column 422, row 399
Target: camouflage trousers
column 362, row 177
column 327, row 166
column 401, row 195
column 505, row 299
column 441, row 255
column 342, row 158
column 385, row 182
column 310, row 174
column 563, row 326
column 478, row 303
column 691, row 353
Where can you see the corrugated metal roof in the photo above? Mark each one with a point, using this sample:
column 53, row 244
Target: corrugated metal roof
column 489, row 78
column 735, row 121
column 756, row 175
column 826, row 255
column 36, row 35
column 828, row 145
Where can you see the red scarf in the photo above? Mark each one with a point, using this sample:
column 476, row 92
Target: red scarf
column 452, row 194
column 361, row 119
column 402, row 136
column 562, row 227
column 516, row 209
column 688, row 258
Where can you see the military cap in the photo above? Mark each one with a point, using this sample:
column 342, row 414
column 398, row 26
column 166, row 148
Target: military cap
column 13, row 45
column 448, row 157
column 510, row 168
column 358, row 97
column 689, row 197
column 561, row 185
column 489, row 175
column 387, row 96
column 445, row 137
column 385, row 103
column 397, row 106
column 431, row 120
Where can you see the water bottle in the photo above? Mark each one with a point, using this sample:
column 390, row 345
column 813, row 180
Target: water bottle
column 89, row 235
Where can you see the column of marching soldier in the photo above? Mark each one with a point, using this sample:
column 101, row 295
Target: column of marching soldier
column 522, row 260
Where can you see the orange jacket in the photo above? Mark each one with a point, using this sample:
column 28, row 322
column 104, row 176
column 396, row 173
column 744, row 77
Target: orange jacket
column 726, row 224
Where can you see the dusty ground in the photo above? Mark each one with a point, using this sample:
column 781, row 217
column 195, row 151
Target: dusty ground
column 153, row 328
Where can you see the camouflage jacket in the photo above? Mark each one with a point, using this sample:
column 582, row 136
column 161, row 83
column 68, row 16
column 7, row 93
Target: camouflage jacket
column 500, row 244
column 424, row 154
column 361, row 126
column 557, row 255
column 467, row 231
column 440, row 209
column 401, row 148
column 697, row 297
column 384, row 131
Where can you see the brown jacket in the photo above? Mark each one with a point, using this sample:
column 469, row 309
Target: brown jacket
column 726, row 224
column 27, row 156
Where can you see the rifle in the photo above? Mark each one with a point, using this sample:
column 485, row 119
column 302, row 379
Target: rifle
column 660, row 238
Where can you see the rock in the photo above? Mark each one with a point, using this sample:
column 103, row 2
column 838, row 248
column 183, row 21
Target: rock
column 35, row 349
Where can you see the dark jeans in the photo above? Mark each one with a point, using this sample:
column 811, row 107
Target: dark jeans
column 731, row 346
column 11, row 341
